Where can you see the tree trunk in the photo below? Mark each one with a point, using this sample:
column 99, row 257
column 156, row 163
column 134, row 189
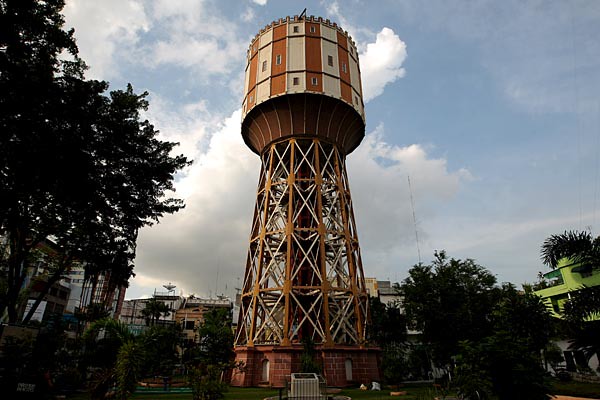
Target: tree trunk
column 51, row 281
column 17, row 271
column 21, row 240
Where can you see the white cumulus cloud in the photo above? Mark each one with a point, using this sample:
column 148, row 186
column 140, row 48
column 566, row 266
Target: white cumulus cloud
column 192, row 34
column 204, row 245
column 381, row 63
column 114, row 35
column 106, row 31
column 203, row 248
column 378, row 174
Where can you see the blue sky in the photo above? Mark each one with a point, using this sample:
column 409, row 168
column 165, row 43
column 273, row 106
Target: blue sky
column 492, row 108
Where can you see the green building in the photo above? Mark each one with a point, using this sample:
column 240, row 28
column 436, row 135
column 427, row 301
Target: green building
column 568, row 277
column 555, row 289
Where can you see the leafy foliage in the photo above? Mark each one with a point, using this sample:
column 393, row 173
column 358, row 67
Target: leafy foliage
column 580, row 247
column 17, row 361
column 103, row 340
column 388, row 324
column 506, row 363
column 583, row 305
column 449, row 301
column 214, row 355
column 582, row 310
column 153, row 310
column 394, row 363
column 522, row 328
column 130, row 363
column 206, row 382
column 111, row 329
column 472, row 372
column 388, row 330
column 119, row 356
column 525, row 316
column 76, row 164
column 160, row 349
column 492, row 335
column 308, row 359
column 216, row 338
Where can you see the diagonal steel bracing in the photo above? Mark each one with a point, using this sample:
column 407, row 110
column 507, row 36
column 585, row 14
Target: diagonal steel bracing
column 304, row 277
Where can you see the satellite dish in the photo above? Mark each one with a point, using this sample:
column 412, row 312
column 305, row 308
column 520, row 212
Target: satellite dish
column 169, row 287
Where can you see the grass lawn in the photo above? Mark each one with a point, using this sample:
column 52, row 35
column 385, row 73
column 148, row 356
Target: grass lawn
column 234, row 393
column 577, row 389
column 414, row 392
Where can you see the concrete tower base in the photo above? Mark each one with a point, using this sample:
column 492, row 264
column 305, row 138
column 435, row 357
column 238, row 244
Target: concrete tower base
column 273, row 365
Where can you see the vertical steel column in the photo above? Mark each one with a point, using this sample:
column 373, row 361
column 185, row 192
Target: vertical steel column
column 304, row 273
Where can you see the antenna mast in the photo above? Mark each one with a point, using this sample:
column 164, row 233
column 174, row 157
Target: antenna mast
column 412, row 204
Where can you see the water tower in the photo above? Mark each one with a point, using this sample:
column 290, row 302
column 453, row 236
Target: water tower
column 304, row 283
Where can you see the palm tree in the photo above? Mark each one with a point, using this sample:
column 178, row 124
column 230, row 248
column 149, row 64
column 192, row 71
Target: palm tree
column 580, row 247
column 154, row 310
column 583, row 307
column 127, row 367
column 111, row 328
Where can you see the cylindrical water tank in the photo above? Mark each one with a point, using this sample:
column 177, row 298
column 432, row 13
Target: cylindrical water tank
column 303, row 79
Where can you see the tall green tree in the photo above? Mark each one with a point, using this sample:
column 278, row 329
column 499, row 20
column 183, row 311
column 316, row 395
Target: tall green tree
column 492, row 335
column 160, row 349
column 76, row 164
column 388, row 323
column 449, row 301
column 506, row 363
column 118, row 356
column 216, row 338
column 213, row 356
column 108, row 344
column 388, row 331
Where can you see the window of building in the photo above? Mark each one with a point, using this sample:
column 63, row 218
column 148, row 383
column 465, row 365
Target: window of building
column 265, row 371
column 251, row 99
column 296, row 81
column 264, row 66
column 314, row 81
column 189, row 325
column 348, row 367
column 312, row 29
column 344, row 67
column 296, row 29
column 356, row 100
column 278, row 59
column 330, row 61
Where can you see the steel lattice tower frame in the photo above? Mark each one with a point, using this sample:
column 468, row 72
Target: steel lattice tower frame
column 303, row 113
